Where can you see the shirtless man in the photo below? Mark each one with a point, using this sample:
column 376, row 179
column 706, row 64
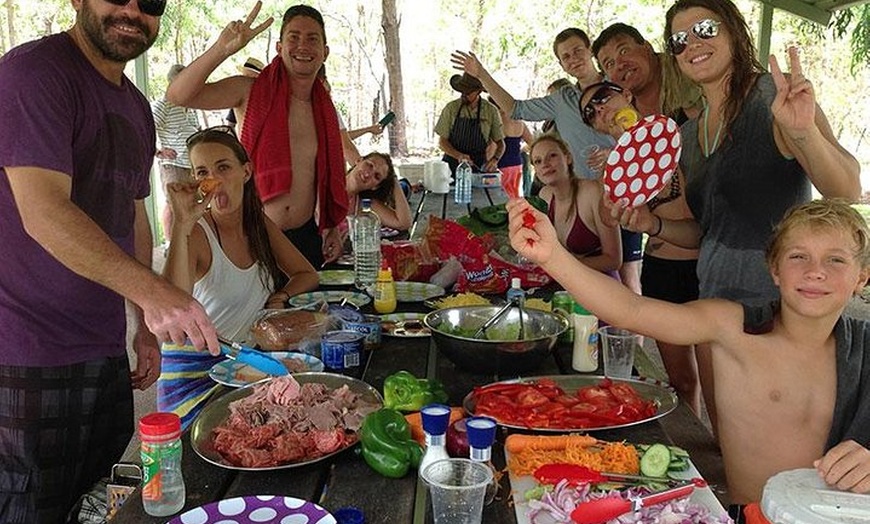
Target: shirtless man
column 788, row 377
column 301, row 51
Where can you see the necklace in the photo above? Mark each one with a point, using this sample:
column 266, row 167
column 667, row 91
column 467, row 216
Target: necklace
column 708, row 149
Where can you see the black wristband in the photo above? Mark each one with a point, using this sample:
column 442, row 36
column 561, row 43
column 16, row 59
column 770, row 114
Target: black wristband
column 659, row 230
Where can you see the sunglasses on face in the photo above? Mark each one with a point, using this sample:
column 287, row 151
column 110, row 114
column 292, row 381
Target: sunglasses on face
column 148, row 7
column 703, row 29
column 599, row 98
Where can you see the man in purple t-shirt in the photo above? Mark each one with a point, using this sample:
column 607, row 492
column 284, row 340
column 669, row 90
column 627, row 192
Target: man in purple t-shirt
column 76, row 146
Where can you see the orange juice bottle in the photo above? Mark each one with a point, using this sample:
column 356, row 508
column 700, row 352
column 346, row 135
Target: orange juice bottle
column 385, row 290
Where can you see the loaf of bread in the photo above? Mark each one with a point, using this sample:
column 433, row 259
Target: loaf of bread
column 282, row 330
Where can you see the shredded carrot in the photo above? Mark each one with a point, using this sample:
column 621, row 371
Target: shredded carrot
column 516, row 443
column 613, row 457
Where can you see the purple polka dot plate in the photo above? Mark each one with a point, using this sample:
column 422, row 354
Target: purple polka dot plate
column 257, row 509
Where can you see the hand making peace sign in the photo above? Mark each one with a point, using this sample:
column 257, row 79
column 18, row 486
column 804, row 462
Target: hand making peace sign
column 794, row 108
column 237, row 34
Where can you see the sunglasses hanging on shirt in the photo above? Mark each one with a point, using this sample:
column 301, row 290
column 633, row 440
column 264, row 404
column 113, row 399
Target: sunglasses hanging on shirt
column 703, row 29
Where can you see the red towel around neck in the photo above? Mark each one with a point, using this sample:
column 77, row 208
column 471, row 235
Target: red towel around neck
column 266, row 136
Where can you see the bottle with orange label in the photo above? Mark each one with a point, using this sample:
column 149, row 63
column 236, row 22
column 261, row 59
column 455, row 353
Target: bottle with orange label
column 163, row 486
column 385, row 290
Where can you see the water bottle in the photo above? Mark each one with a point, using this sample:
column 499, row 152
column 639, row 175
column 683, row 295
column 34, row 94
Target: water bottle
column 462, row 191
column 366, row 246
column 515, row 293
column 162, row 484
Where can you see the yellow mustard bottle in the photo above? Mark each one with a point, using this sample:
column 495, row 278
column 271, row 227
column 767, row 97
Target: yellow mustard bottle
column 385, row 291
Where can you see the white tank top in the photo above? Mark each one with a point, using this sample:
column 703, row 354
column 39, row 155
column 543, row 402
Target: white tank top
column 231, row 296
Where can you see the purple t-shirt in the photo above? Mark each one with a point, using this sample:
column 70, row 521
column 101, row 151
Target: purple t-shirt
column 57, row 112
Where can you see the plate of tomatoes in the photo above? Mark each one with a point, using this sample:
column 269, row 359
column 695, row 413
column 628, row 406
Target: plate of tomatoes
column 560, row 403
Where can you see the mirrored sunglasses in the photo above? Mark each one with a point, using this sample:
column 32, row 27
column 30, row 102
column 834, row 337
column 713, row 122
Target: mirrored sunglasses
column 148, row 7
column 703, row 29
column 601, row 96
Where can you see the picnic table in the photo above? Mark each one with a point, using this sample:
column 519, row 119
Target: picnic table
column 346, row 480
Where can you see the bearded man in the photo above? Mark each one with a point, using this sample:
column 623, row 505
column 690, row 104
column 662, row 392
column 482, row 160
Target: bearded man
column 76, row 148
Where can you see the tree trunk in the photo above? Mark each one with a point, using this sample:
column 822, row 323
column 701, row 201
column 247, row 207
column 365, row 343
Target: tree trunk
column 393, row 58
column 10, row 23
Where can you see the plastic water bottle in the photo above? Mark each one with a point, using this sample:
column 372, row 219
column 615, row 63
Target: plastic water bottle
column 515, row 293
column 366, row 246
column 162, row 485
column 462, row 191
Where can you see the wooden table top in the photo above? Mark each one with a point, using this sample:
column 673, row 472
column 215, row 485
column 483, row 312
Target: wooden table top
column 346, row 480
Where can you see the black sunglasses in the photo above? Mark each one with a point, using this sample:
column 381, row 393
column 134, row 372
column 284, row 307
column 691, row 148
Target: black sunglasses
column 149, row 7
column 203, row 134
column 703, row 29
column 601, row 96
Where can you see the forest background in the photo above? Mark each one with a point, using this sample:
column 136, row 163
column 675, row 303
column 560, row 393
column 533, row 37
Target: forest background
column 395, row 54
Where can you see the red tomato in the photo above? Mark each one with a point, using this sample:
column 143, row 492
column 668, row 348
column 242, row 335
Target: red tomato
column 531, row 398
column 593, row 393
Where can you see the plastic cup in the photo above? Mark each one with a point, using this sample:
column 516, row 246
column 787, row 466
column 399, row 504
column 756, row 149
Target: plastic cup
column 619, row 346
column 457, row 488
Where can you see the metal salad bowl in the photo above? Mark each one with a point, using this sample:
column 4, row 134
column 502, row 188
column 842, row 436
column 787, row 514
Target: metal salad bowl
column 498, row 350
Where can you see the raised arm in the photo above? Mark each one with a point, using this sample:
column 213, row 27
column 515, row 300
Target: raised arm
column 469, row 63
column 189, row 89
column 612, row 302
column 187, row 242
column 804, row 133
column 69, row 235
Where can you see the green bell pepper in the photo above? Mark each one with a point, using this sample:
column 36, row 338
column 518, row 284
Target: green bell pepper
column 387, row 446
column 405, row 392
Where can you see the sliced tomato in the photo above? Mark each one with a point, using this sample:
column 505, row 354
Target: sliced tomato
column 593, row 393
column 532, row 398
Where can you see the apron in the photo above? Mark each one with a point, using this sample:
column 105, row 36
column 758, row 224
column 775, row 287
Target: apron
column 466, row 136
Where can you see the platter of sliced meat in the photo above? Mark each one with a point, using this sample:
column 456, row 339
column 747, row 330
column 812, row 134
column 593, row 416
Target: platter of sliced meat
column 284, row 422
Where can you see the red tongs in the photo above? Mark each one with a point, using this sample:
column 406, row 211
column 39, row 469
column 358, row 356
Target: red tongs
column 574, row 474
column 609, row 508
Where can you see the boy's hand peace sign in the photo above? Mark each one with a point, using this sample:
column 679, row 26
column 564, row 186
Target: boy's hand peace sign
column 238, row 33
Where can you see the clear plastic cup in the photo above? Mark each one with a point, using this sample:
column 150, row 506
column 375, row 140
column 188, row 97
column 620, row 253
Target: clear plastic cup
column 619, row 346
column 457, row 488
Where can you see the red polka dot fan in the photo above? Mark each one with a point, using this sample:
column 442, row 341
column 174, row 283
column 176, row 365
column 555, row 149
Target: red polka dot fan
column 643, row 161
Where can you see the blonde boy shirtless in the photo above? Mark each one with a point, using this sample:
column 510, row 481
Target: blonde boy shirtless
column 782, row 395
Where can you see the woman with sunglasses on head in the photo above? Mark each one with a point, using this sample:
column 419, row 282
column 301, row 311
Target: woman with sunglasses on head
column 759, row 146
column 573, row 207
column 228, row 254
column 669, row 271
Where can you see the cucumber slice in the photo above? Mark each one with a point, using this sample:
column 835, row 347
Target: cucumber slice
column 655, row 461
column 678, row 464
column 678, row 452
